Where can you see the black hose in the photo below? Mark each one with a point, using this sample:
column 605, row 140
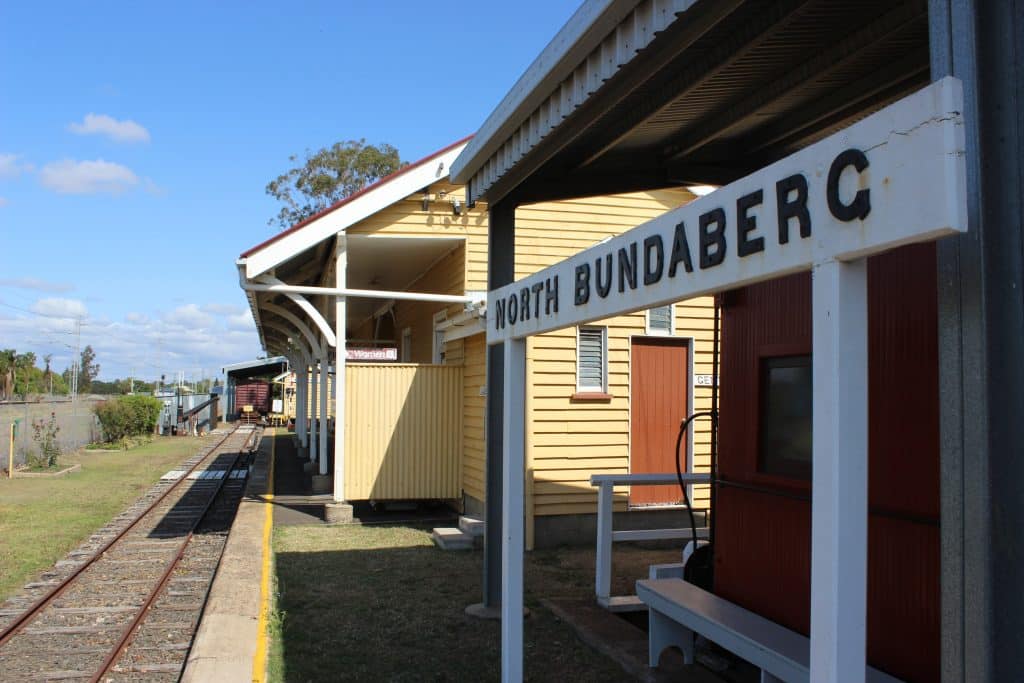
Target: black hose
column 683, row 426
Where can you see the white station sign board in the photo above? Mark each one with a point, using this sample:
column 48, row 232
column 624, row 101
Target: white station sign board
column 896, row 177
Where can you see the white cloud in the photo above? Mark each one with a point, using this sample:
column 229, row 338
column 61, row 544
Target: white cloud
column 87, row 177
column 189, row 316
column 118, row 131
column 60, row 308
column 187, row 339
column 10, row 167
column 36, row 284
column 221, row 309
column 241, row 322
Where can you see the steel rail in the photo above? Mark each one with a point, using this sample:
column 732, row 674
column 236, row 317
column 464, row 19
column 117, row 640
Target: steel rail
column 15, row 626
column 126, row 637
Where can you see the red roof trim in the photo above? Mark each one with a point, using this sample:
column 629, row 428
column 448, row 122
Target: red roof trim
column 351, row 197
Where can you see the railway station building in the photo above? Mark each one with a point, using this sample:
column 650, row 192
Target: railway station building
column 865, row 248
column 396, row 275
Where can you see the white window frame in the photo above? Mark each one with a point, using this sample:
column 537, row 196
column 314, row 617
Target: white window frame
column 406, row 354
column 437, row 350
column 603, row 389
column 671, row 322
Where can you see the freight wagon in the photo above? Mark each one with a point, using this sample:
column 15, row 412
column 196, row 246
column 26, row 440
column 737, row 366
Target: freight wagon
column 255, row 393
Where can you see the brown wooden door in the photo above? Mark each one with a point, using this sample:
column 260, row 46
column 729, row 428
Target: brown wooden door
column 659, row 398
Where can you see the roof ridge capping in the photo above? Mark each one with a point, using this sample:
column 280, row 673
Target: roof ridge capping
column 590, row 25
column 361, row 204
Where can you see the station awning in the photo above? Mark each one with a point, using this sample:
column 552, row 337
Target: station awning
column 640, row 95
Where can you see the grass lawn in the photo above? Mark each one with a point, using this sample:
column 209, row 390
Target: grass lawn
column 365, row 603
column 41, row 519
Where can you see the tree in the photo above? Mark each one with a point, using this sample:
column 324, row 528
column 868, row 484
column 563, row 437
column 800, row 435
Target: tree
column 329, row 175
column 88, row 370
column 26, row 374
column 48, row 373
column 7, row 373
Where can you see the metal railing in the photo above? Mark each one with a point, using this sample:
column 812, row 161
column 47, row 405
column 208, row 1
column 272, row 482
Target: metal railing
column 606, row 535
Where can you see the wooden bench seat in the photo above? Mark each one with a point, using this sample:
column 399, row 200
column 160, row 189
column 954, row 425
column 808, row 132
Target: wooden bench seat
column 678, row 610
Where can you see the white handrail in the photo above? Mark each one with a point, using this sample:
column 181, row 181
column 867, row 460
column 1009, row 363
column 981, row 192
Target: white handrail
column 606, row 484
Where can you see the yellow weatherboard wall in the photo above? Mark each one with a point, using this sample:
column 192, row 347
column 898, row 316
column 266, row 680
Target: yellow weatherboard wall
column 568, row 440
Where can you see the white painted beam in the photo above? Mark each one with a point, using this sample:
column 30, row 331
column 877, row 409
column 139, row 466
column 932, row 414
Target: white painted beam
column 514, row 429
column 839, row 503
column 314, row 381
column 896, row 177
column 324, row 364
column 603, row 558
column 300, row 301
column 363, row 293
column 297, row 322
column 340, row 313
column 301, row 392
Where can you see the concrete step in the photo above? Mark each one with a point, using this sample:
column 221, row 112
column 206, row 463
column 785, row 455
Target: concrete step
column 474, row 526
column 450, row 538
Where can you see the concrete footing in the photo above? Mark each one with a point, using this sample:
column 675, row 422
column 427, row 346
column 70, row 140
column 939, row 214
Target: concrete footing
column 450, row 538
column 337, row 513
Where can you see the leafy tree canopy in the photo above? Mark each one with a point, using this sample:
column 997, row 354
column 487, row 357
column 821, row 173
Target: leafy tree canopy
column 88, row 370
column 19, row 376
column 328, row 176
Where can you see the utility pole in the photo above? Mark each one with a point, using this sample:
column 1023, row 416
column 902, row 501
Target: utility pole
column 77, row 360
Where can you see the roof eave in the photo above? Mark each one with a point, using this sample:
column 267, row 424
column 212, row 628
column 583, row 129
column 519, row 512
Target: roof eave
column 340, row 216
column 584, row 30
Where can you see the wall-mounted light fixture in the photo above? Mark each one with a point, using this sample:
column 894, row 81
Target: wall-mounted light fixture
column 456, row 206
column 426, row 201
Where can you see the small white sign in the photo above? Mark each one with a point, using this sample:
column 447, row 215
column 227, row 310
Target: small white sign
column 894, row 178
column 703, row 380
column 390, row 353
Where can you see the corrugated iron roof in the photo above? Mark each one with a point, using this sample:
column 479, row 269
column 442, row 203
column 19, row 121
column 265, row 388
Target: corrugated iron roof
column 700, row 92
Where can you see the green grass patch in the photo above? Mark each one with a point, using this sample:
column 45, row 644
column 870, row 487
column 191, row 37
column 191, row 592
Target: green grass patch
column 123, row 444
column 357, row 603
column 42, row 519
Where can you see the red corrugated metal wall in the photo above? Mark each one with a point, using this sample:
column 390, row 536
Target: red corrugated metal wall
column 762, row 554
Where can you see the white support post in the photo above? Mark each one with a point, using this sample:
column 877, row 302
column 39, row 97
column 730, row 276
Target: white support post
column 313, row 382
column 340, row 312
column 513, row 533
column 325, row 350
column 839, row 504
column 603, row 568
column 301, row 390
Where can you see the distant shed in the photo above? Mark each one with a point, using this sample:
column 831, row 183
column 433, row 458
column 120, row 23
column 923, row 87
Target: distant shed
column 240, row 373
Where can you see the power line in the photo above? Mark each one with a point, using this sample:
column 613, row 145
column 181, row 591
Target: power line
column 42, row 315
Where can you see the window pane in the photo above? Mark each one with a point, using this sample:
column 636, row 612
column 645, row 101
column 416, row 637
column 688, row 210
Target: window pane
column 660, row 318
column 786, row 415
column 590, row 358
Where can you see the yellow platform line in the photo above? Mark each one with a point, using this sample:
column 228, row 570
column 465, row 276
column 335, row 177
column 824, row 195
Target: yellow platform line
column 259, row 660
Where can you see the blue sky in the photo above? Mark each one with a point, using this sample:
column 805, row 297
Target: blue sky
column 136, row 140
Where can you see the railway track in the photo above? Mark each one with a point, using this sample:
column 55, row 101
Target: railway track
column 125, row 605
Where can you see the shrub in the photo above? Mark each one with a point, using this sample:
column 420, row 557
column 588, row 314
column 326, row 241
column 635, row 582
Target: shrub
column 44, row 433
column 127, row 416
